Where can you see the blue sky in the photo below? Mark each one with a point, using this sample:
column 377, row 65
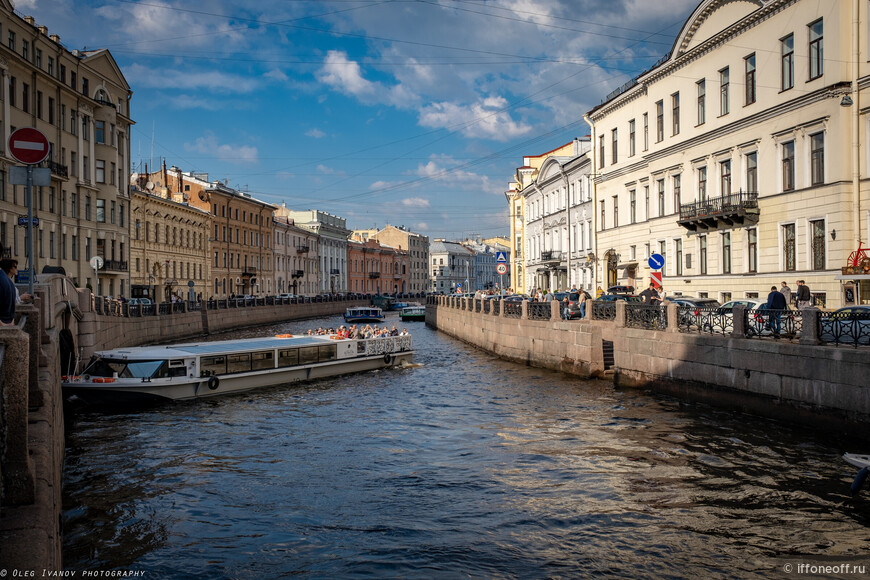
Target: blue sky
column 413, row 113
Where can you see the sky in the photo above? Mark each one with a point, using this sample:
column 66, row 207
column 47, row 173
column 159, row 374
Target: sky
column 414, row 113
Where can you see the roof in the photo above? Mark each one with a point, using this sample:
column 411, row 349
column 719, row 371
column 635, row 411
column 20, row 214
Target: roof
column 216, row 347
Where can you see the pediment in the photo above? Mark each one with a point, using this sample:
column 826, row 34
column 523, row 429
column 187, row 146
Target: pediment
column 710, row 18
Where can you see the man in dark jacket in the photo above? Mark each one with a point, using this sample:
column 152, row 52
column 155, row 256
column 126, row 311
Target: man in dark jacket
column 804, row 297
column 650, row 295
column 7, row 292
column 775, row 305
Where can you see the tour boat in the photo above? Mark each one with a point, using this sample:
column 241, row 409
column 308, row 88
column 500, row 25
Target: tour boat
column 413, row 313
column 364, row 314
column 206, row 369
column 862, row 462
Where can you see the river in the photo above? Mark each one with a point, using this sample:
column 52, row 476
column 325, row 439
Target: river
column 464, row 466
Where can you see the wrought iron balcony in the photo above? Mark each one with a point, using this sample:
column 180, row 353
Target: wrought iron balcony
column 114, row 266
column 56, row 168
column 374, row 275
column 297, row 274
column 727, row 211
column 249, row 272
column 302, row 249
column 551, row 256
column 335, row 272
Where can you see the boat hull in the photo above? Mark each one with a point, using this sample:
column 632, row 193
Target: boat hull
column 413, row 317
column 181, row 389
column 354, row 319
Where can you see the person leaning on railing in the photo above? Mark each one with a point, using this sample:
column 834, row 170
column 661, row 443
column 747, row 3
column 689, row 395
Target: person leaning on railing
column 7, row 293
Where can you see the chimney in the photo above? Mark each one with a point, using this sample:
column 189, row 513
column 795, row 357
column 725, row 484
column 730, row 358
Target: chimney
column 29, row 20
column 43, row 30
column 55, row 38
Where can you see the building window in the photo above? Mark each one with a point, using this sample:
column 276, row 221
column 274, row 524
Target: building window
column 632, row 196
column 25, row 97
column 818, row 229
column 645, row 131
column 702, row 184
column 11, row 42
column 614, row 146
column 74, row 205
column 677, row 196
column 661, row 196
column 660, row 121
column 817, row 158
column 726, row 253
column 817, row 54
column 112, row 206
column 615, row 211
column 101, row 211
column 788, row 247
column 646, row 202
column 12, row 91
column 101, row 171
column 25, row 50
column 675, row 109
column 702, row 101
column 725, row 178
column 39, row 58
column 51, row 110
column 724, row 97
column 702, row 258
column 600, row 151
column 51, row 244
column 788, row 166
column 631, row 138
column 101, row 131
column 787, row 48
column 50, row 66
column 752, row 172
column 678, row 250
column 752, row 238
column 749, row 63
column 603, row 223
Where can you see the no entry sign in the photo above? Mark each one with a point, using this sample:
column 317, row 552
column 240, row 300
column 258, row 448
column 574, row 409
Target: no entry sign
column 28, row 146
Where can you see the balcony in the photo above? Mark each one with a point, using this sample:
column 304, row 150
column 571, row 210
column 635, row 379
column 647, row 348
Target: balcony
column 302, row 249
column 374, row 275
column 56, row 168
column 728, row 211
column 105, row 103
column 551, row 256
column 297, row 273
column 114, row 266
column 249, row 272
column 334, row 272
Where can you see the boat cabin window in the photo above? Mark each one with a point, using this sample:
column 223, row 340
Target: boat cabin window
column 212, row 365
column 138, row 369
column 327, row 352
column 307, row 355
column 239, row 363
column 263, row 360
column 177, row 368
column 288, row 358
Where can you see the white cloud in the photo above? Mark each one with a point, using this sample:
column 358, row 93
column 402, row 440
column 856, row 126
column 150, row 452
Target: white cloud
column 487, row 118
column 277, row 74
column 208, row 145
column 326, row 170
column 345, row 76
column 415, row 202
column 447, row 169
column 316, row 133
column 190, row 80
column 421, row 227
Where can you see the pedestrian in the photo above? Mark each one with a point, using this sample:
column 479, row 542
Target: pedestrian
column 650, row 295
column 10, row 266
column 786, row 292
column 804, row 297
column 599, row 292
column 775, row 305
column 7, row 292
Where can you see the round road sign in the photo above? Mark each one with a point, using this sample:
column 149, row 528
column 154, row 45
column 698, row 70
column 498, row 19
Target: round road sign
column 501, row 269
column 96, row 262
column 28, row 146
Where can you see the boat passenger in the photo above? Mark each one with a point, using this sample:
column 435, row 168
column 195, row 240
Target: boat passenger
column 404, row 332
column 394, row 332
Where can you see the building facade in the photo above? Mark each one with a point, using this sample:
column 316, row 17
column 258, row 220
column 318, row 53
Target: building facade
column 332, row 234
column 295, row 257
column 417, row 247
column 374, row 268
column 169, row 248
column 451, row 267
column 739, row 158
column 241, row 237
column 80, row 100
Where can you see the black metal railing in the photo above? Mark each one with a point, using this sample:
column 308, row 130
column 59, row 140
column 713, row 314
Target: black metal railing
column 604, row 310
column 115, row 265
column 648, row 316
column 539, row 310
column 297, row 273
column 496, row 307
column 551, row 255
column 301, row 249
column 761, row 323
column 374, row 275
column 845, row 328
column 513, row 309
column 56, row 168
column 487, row 307
column 709, row 319
column 723, row 205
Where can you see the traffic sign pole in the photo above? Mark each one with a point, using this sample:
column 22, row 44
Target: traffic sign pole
column 31, row 259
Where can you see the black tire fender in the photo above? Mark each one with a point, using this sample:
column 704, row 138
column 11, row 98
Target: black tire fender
column 388, row 359
column 213, row 383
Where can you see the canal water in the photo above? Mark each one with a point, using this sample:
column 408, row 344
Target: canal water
column 465, row 466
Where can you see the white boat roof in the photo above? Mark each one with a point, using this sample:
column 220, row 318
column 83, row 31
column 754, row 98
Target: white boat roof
column 215, row 347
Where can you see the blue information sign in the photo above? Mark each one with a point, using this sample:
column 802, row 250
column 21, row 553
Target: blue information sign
column 22, row 221
column 656, row 261
column 501, row 257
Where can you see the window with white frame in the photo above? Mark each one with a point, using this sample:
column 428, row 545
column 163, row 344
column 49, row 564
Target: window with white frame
column 817, row 158
column 724, row 91
column 702, row 101
column 787, row 149
column 816, row 49
column 787, row 61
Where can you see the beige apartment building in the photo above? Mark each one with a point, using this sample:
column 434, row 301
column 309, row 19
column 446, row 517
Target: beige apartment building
column 80, row 100
column 742, row 156
column 416, row 281
column 169, row 247
column 295, row 256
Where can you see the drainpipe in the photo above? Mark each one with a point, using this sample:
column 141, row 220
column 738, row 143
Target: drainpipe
column 594, row 192
column 856, row 125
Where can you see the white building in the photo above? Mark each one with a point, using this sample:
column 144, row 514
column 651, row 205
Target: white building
column 451, row 267
column 332, row 235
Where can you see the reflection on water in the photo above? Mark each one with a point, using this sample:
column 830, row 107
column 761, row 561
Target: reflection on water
column 464, row 466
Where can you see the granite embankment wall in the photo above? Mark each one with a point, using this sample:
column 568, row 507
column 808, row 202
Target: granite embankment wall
column 817, row 384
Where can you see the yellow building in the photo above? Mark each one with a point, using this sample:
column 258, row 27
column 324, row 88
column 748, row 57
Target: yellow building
column 170, row 247
column 740, row 156
column 81, row 102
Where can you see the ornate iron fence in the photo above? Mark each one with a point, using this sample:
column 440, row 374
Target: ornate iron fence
column 487, row 306
column 513, row 309
column 477, row 305
column 709, row 319
column 539, row 310
column 496, row 307
column 762, row 323
column 604, row 310
column 648, row 316
column 846, row 328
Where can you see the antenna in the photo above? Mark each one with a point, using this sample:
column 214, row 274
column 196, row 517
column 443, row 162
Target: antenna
column 151, row 164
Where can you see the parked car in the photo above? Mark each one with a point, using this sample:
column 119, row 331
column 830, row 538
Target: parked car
column 285, row 296
column 690, row 309
column 616, row 297
column 575, row 299
column 517, row 297
column 139, row 301
column 849, row 325
column 626, row 290
column 722, row 319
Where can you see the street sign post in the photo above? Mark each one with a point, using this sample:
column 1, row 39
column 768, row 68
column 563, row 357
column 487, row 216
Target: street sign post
column 30, row 147
column 96, row 263
column 501, row 257
column 501, row 268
